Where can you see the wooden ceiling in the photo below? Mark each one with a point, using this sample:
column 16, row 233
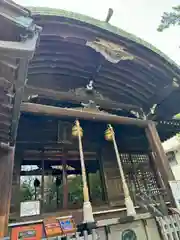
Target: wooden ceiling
column 64, row 62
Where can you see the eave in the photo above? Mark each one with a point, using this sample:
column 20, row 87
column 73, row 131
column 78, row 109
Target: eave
column 17, row 45
column 63, row 62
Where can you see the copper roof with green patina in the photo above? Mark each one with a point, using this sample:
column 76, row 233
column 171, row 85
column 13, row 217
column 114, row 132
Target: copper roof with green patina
column 63, row 63
column 100, row 24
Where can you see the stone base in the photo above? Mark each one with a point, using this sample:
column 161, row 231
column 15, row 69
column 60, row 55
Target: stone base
column 130, row 207
column 87, row 212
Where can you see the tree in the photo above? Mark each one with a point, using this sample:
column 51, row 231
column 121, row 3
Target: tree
column 75, row 189
column 177, row 116
column 26, row 191
column 170, row 19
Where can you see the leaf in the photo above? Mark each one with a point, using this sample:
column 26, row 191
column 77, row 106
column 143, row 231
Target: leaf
column 170, row 19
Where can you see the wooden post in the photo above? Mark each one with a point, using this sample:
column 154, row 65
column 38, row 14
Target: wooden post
column 160, row 156
column 65, row 184
column 6, row 173
column 42, row 183
column 15, row 194
column 160, row 184
column 102, row 177
column 158, row 150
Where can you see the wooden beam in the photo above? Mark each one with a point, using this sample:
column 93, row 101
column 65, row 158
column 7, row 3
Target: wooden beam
column 54, row 172
column 19, row 90
column 19, row 49
column 9, row 62
column 6, row 173
column 40, row 109
column 74, row 98
column 58, row 159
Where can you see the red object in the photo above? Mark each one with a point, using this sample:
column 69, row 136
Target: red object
column 30, row 232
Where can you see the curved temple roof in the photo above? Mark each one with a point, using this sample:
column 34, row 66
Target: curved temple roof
column 75, row 49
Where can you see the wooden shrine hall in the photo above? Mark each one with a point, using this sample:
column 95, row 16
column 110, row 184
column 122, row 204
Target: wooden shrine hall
column 84, row 108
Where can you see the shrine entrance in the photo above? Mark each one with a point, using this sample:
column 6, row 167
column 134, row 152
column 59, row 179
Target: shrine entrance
column 79, row 110
column 51, row 159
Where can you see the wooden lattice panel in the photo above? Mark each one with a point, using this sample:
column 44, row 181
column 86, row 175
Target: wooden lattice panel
column 140, row 175
column 169, row 227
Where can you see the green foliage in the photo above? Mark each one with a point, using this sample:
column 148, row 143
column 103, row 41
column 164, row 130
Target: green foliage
column 75, row 189
column 178, row 136
column 96, row 189
column 177, row 116
column 26, row 191
column 170, row 19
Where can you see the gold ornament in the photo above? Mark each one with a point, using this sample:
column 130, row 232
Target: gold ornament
column 77, row 130
column 109, row 133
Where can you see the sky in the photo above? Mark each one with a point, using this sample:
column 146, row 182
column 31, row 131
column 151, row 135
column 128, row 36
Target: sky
column 139, row 17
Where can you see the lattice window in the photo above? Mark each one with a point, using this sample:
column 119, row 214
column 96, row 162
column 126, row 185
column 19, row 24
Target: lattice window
column 64, row 132
column 139, row 174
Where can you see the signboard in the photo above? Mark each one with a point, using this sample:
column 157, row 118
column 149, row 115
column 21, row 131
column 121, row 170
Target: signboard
column 30, row 208
column 67, row 225
column 175, row 188
column 30, row 232
column 52, row 227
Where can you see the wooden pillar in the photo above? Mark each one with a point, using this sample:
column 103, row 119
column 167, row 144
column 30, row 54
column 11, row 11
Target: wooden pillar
column 65, row 184
column 102, row 177
column 160, row 184
column 6, row 173
column 15, row 194
column 42, row 183
column 160, row 157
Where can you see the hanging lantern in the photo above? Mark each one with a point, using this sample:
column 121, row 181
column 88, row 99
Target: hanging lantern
column 77, row 130
column 58, row 181
column 36, row 183
column 109, row 133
